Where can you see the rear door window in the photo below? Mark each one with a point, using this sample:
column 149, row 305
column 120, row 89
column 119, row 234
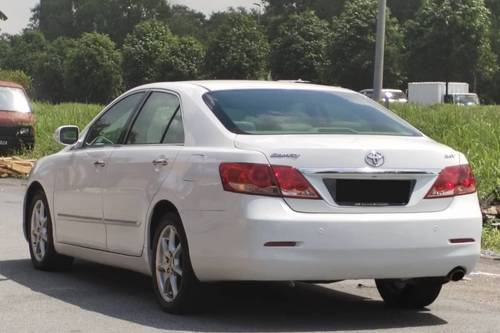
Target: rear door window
column 157, row 114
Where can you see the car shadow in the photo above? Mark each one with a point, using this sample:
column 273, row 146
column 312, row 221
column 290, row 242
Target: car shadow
column 228, row 307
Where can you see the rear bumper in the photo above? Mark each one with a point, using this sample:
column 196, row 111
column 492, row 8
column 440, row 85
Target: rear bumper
column 229, row 245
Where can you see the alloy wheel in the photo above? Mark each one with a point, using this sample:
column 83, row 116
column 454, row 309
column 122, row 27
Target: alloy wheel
column 39, row 230
column 169, row 263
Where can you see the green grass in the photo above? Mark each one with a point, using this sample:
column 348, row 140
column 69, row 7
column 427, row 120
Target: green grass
column 49, row 117
column 491, row 239
column 474, row 131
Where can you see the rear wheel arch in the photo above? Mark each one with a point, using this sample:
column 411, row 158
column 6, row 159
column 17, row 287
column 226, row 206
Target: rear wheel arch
column 34, row 188
column 162, row 207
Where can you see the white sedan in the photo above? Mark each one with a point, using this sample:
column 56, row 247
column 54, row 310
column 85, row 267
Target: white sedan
column 266, row 181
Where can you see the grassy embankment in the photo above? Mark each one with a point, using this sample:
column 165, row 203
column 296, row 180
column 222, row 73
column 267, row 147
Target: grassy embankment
column 474, row 131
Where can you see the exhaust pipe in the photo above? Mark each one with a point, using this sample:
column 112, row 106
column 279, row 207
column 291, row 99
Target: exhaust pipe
column 456, row 274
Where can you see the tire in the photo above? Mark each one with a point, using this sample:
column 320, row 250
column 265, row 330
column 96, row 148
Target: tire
column 410, row 294
column 174, row 282
column 40, row 237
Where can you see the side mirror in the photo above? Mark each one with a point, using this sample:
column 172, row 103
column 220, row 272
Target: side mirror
column 67, row 135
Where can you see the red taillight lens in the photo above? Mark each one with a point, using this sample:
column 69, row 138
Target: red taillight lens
column 452, row 181
column 248, row 178
column 293, row 184
column 262, row 179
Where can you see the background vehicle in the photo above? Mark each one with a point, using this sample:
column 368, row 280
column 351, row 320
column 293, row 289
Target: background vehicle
column 16, row 118
column 465, row 99
column 428, row 93
column 391, row 95
column 250, row 180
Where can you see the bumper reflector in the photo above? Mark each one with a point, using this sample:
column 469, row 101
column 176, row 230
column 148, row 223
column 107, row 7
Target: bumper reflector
column 461, row 240
column 280, row 244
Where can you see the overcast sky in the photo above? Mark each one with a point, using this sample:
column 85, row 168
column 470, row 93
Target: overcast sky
column 18, row 11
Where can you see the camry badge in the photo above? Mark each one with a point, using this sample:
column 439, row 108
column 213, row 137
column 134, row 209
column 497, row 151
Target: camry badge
column 374, row 159
column 285, row 155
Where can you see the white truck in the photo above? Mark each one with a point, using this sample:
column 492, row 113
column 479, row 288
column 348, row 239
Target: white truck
column 428, row 93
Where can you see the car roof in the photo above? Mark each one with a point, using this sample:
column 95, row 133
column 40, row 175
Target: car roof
column 215, row 85
column 10, row 85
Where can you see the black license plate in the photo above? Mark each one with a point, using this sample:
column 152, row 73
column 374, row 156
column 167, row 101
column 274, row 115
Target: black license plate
column 370, row 192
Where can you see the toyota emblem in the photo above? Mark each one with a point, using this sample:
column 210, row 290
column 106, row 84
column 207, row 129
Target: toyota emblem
column 374, row 159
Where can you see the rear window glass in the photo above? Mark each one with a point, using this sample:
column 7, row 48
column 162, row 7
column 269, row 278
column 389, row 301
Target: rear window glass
column 13, row 99
column 282, row 111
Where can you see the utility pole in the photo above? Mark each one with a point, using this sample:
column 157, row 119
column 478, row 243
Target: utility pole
column 378, row 77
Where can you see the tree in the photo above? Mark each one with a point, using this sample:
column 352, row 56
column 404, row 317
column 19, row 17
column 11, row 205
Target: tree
column 450, row 40
column 182, row 61
column 184, row 21
column 54, row 18
column 141, row 50
column 4, row 49
column 352, row 48
column 24, row 51
column 238, row 49
column 49, row 71
column 404, row 10
column 117, row 18
column 299, row 50
column 325, row 9
column 490, row 89
column 93, row 73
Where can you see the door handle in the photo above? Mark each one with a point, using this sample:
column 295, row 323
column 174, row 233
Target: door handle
column 160, row 162
column 100, row 163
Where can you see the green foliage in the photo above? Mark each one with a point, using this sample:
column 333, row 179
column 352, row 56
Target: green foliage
column 54, row 18
column 49, row 71
column 299, row 49
column 116, row 18
column 24, row 51
column 491, row 239
column 18, row 77
column 474, row 131
column 449, row 41
column 141, row 51
column 404, row 10
column 325, row 9
column 352, row 47
column 184, row 21
column 4, row 49
column 183, row 60
column 93, row 73
column 238, row 49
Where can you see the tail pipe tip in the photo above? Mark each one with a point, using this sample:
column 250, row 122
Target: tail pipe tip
column 456, row 274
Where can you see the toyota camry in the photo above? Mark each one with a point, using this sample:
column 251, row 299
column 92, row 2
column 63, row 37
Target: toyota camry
column 196, row 182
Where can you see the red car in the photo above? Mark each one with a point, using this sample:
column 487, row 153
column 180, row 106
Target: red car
column 16, row 118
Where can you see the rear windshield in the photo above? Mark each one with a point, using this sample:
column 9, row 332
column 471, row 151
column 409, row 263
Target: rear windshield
column 282, row 111
column 13, row 99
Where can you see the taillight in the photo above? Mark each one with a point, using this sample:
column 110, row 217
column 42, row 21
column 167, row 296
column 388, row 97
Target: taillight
column 452, row 181
column 263, row 179
column 292, row 183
